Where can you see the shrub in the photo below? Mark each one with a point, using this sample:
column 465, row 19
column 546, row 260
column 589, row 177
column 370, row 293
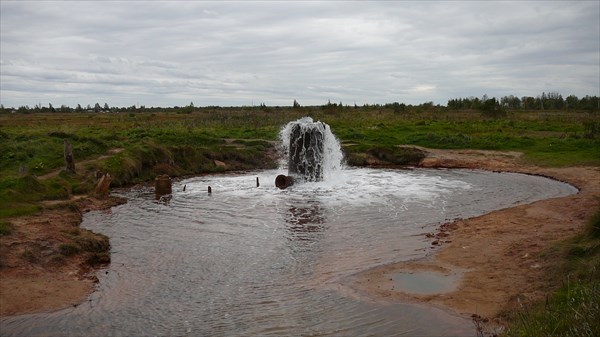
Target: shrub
column 5, row 228
column 593, row 228
column 591, row 129
column 92, row 242
column 398, row 155
column 98, row 258
column 68, row 249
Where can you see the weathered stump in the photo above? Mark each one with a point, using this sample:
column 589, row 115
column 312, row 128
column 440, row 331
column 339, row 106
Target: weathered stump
column 69, row 160
column 102, row 188
column 162, row 186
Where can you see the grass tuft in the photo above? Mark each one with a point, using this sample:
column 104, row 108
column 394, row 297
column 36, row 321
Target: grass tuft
column 5, row 228
column 68, row 249
column 574, row 309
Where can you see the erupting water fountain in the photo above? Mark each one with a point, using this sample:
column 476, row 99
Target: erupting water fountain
column 312, row 152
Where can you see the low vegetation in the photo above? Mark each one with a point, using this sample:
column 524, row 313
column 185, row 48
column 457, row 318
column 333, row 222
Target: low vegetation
column 5, row 228
column 138, row 144
column 574, row 309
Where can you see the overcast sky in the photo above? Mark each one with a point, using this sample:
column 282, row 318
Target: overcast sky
column 242, row 53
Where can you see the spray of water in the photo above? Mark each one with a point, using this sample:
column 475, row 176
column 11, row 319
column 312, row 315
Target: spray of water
column 318, row 156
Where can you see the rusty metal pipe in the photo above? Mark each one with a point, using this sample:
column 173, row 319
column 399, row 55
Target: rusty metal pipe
column 283, row 181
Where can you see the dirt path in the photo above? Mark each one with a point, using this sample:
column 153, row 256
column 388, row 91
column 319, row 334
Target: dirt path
column 80, row 165
column 498, row 254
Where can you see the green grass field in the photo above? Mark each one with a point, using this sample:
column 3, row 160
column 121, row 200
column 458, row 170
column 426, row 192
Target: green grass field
column 135, row 147
column 31, row 145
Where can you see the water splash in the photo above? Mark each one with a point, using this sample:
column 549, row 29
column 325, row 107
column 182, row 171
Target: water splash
column 310, row 150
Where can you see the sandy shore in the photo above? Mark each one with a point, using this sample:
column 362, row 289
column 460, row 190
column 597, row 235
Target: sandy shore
column 497, row 254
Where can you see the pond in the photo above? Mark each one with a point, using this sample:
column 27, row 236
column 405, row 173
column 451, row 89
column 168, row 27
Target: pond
column 259, row 261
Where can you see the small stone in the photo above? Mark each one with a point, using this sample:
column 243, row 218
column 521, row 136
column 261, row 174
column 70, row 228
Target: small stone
column 219, row 163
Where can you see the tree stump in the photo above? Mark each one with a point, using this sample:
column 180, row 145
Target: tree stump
column 69, row 160
column 101, row 190
column 162, row 186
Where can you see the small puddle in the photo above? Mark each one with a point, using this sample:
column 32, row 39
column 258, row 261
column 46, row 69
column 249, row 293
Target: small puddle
column 425, row 282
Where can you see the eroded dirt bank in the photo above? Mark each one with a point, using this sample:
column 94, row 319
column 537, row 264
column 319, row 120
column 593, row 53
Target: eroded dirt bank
column 47, row 262
column 500, row 254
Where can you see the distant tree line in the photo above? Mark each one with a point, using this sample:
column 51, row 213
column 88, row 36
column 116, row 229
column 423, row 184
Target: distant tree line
column 545, row 101
column 492, row 106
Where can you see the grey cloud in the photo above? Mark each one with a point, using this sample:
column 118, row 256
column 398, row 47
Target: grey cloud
column 233, row 53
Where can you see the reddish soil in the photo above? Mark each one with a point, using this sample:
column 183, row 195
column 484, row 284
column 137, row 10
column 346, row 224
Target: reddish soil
column 501, row 254
column 34, row 275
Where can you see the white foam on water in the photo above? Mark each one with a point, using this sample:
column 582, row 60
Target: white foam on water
column 350, row 186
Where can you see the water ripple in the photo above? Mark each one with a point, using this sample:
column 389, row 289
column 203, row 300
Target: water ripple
column 248, row 261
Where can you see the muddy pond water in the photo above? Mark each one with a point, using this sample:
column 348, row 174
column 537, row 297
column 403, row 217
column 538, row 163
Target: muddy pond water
column 248, row 261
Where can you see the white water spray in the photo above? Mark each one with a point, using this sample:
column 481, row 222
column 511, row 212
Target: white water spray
column 310, row 150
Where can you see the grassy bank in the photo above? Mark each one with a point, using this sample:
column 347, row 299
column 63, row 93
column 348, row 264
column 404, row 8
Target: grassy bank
column 574, row 309
column 136, row 147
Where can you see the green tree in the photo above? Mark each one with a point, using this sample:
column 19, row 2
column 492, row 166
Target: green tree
column 571, row 102
column 510, row 102
column 491, row 107
column 528, row 102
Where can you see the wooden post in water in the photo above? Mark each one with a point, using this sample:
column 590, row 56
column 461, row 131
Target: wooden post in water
column 162, row 186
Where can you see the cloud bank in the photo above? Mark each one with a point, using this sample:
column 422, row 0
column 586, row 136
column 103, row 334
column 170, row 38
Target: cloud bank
column 241, row 53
